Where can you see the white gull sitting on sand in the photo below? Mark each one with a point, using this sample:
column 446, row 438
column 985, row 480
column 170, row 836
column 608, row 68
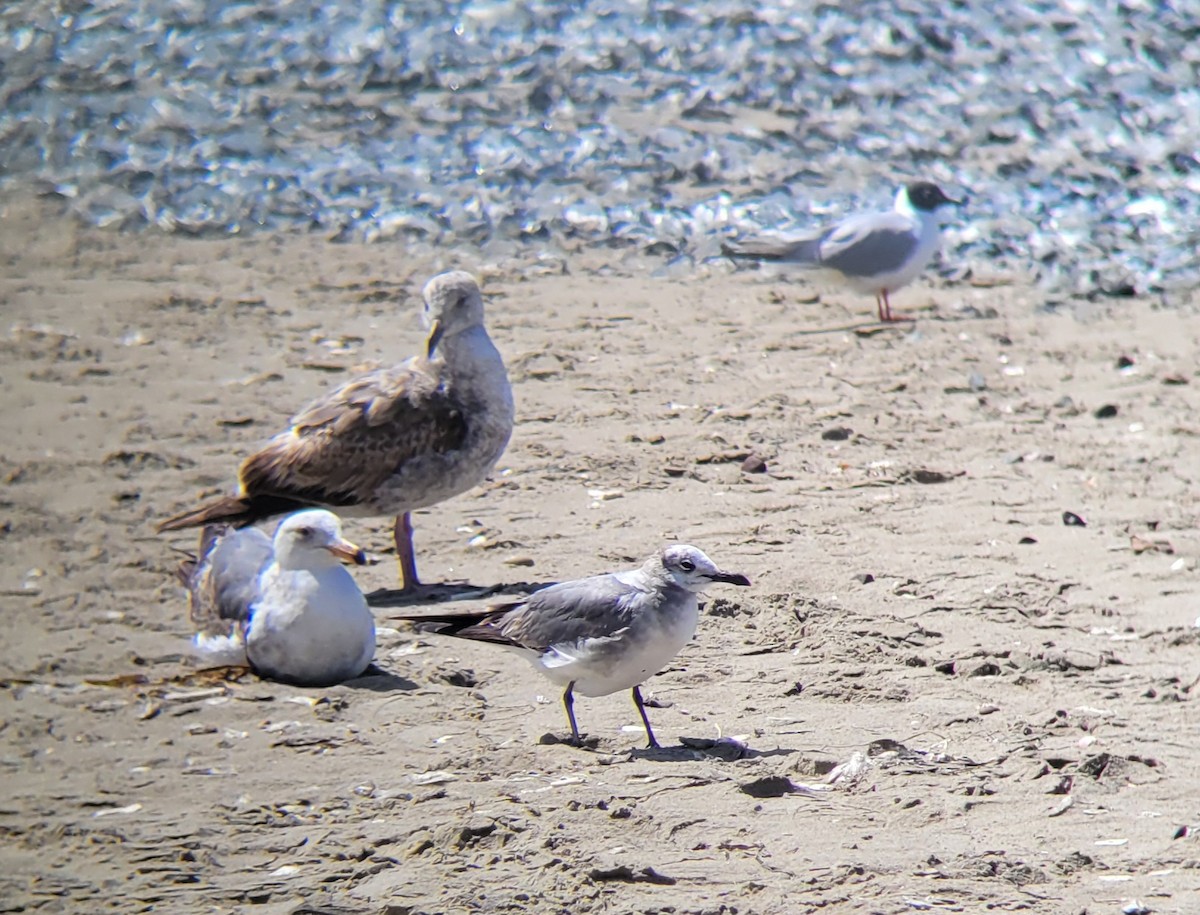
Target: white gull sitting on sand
column 285, row 606
column 392, row 440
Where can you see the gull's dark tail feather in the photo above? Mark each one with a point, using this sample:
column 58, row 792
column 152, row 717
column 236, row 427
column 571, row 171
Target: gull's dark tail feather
column 186, row 572
column 800, row 251
column 476, row 625
column 234, row 510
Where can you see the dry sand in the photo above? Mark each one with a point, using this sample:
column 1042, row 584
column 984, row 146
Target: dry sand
column 1024, row 707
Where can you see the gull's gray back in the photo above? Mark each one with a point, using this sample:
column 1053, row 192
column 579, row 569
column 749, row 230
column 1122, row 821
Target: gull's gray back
column 863, row 246
column 225, row 583
column 589, row 608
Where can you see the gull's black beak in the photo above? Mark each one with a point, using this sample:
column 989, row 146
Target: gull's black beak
column 730, row 578
column 435, row 337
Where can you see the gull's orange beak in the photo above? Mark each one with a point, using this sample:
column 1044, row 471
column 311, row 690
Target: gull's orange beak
column 348, row 552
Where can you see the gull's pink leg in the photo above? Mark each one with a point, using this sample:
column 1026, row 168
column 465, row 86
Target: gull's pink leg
column 886, row 314
column 403, row 534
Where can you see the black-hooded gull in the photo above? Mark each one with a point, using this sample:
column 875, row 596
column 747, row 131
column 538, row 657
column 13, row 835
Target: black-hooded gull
column 873, row 252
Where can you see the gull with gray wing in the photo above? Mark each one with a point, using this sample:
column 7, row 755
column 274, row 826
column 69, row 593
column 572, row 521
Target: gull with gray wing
column 602, row 634
column 390, row 441
column 283, row 604
column 871, row 252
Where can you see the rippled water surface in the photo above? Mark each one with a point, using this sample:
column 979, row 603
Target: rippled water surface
column 1074, row 128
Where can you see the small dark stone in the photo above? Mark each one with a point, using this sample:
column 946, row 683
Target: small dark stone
column 1063, row 785
column 768, row 786
column 986, row 669
column 754, row 464
column 921, row 475
column 864, row 578
column 1096, row 766
column 624, row 873
column 1027, row 540
column 1070, row 519
column 1108, row 411
column 796, row 690
column 837, row 434
column 1124, row 362
column 456, row 676
column 946, row 667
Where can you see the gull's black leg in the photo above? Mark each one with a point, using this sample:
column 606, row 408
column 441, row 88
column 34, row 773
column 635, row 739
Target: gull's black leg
column 641, row 707
column 569, row 705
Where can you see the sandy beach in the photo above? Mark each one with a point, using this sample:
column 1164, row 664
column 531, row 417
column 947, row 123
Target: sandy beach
column 1008, row 695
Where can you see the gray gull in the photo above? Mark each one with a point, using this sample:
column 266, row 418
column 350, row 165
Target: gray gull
column 601, row 634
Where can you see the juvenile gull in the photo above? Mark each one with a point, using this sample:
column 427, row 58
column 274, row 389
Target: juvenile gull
column 390, row 441
column 873, row 252
column 601, row 634
column 285, row 606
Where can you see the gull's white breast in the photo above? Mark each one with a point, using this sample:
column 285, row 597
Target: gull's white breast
column 311, row 628
column 627, row 657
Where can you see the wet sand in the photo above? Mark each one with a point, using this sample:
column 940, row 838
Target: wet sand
column 1012, row 692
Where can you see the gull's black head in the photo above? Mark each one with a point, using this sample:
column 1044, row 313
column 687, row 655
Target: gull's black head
column 928, row 197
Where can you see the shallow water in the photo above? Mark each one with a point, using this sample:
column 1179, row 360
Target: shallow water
column 1073, row 128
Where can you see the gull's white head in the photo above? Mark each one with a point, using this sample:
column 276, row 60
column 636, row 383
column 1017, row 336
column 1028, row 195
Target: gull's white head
column 689, row 568
column 313, row 540
column 453, row 303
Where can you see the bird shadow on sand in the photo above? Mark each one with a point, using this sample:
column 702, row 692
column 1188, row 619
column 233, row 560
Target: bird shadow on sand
column 377, row 680
column 451, row 592
column 901, row 323
column 703, row 748
column 688, row 749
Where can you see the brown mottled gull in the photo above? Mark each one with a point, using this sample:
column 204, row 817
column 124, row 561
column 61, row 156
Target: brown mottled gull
column 390, row 441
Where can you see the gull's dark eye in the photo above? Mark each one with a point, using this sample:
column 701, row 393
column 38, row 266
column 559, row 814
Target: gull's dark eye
column 305, row 532
column 687, row 565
